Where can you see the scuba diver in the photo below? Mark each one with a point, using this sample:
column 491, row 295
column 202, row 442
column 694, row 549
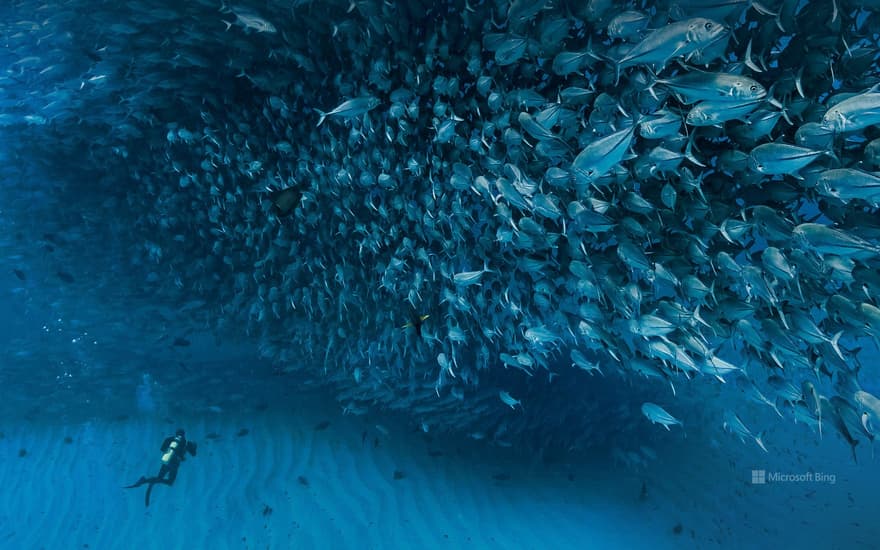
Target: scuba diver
column 174, row 451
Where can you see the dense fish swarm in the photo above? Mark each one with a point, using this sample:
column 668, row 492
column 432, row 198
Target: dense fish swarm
column 441, row 206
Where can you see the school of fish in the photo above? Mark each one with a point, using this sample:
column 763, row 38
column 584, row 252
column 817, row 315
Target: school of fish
column 451, row 208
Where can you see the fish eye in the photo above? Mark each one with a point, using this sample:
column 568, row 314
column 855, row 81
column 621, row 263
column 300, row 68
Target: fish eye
column 708, row 25
column 753, row 88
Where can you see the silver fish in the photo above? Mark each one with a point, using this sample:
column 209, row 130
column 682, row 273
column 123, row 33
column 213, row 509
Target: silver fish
column 855, row 113
column 679, row 39
column 657, row 415
column 697, row 86
column 781, row 158
column 848, row 184
column 734, row 425
column 508, row 400
column 351, row 108
column 827, row 240
column 600, row 156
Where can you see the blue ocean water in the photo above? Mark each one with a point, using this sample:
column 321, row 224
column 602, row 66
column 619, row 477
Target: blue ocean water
column 408, row 274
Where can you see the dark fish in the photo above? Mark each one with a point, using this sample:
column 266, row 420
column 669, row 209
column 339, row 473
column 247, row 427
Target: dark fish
column 20, row 274
column 322, row 425
column 416, row 324
column 66, row 277
column 285, row 201
column 180, row 342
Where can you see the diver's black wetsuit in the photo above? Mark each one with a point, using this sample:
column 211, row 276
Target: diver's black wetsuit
column 174, row 449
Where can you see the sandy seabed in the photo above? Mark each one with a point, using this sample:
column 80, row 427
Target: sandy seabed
column 308, row 477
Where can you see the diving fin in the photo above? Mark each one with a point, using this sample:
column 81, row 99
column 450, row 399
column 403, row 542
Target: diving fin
column 137, row 483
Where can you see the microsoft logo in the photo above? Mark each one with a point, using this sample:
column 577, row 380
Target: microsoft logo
column 763, row 477
column 759, row 477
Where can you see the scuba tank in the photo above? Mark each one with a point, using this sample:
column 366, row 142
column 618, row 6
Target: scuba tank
column 166, row 458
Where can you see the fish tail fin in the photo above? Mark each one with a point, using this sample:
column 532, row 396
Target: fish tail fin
column 775, row 408
column 652, row 82
column 764, row 10
column 323, row 116
column 615, row 62
column 748, row 59
column 782, row 318
column 835, row 343
column 759, row 439
column 698, row 318
column 689, row 151
column 832, row 154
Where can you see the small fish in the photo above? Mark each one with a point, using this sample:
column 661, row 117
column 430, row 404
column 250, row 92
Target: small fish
column 66, row 277
column 657, row 415
column 827, row 240
column 20, row 274
column 580, row 361
column 782, row 158
column 600, row 156
column 467, row 278
column 249, row 21
column 351, row 108
column 508, row 400
column 715, row 113
column 180, row 342
column 854, row 113
column 679, row 39
column 628, row 24
column 734, row 425
column 285, row 201
column 848, row 183
column 695, row 86
column 416, row 324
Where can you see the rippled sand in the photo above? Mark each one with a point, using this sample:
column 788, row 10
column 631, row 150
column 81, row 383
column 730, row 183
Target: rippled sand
column 305, row 480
